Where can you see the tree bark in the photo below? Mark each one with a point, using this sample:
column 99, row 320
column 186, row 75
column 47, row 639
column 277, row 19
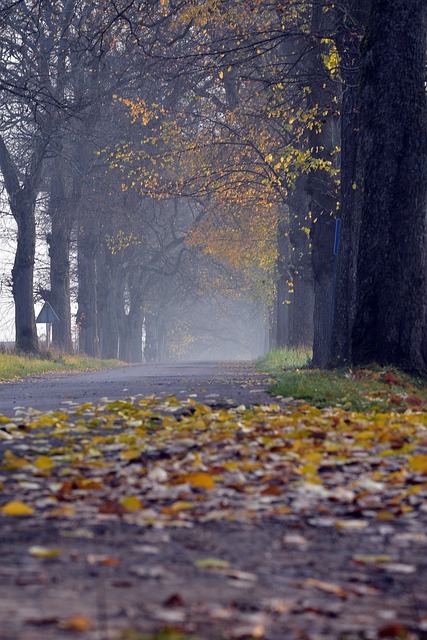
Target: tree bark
column 59, row 241
column 86, row 312
column 22, row 199
column 23, row 275
column 301, row 308
column 281, row 324
column 321, row 187
column 130, row 315
column 351, row 22
column 108, row 330
column 391, row 296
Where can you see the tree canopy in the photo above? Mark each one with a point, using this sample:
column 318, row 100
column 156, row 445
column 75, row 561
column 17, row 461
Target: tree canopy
column 154, row 136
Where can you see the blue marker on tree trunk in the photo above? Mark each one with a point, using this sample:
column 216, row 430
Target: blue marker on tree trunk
column 334, row 276
column 337, row 236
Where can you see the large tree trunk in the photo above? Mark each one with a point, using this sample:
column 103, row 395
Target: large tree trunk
column 350, row 27
column 391, row 296
column 23, row 275
column 108, row 330
column 22, row 199
column 321, row 185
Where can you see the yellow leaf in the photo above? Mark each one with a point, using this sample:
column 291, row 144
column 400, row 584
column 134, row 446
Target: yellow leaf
column 201, row 480
column 44, row 462
column 418, row 463
column 131, row 503
column 308, row 470
column 76, row 623
column 130, row 454
column 12, row 462
column 43, row 552
column 371, row 559
column 212, row 563
column 313, row 456
column 180, row 505
column 17, row 508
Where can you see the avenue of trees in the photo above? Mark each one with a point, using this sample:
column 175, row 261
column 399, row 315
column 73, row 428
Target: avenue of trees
column 190, row 160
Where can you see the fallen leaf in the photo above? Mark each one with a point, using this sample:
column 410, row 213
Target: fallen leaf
column 391, row 378
column 131, row 503
column 351, row 524
column 212, row 563
column 79, row 624
column 174, row 600
column 399, row 567
column 329, row 587
column 418, row 463
column 16, row 508
column 394, row 630
column 371, row 559
column 43, row 552
column 200, row 480
column 44, row 463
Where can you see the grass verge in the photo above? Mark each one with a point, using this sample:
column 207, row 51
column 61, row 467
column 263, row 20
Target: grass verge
column 16, row 366
column 278, row 359
column 374, row 389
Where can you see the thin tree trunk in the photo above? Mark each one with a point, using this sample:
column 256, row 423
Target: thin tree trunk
column 150, row 349
column 108, row 330
column 130, row 316
column 301, row 308
column 391, row 297
column 86, row 312
column 59, row 241
column 135, row 317
column 281, row 325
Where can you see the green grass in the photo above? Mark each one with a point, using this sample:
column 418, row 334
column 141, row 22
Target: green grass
column 17, row 366
column 279, row 359
column 374, row 389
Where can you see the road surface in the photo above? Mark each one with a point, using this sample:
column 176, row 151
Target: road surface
column 211, row 382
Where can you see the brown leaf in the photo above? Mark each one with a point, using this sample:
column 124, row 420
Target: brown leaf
column 390, row 378
column 111, row 507
column 393, row 630
column 78, row 624
column 329, row 587
column 174, row 600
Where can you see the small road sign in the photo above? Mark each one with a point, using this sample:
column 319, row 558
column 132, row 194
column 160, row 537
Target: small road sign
column 47, row 315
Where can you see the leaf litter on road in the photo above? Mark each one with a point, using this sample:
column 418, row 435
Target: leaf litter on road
column 172, row 462
column 168, row 463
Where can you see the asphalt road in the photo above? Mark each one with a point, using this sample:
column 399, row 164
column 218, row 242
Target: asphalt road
column 211, row 382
